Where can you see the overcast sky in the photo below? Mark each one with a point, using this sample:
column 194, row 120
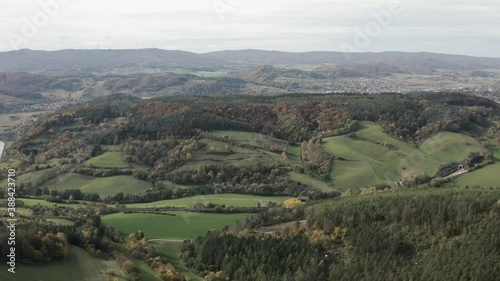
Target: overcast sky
column 444, row 26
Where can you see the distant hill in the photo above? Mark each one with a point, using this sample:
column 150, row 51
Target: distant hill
column 148, row 60
column 100, row 61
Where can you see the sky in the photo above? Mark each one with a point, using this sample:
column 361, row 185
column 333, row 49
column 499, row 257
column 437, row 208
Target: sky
column 442, row 26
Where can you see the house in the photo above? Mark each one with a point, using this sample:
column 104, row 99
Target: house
column 304, row 199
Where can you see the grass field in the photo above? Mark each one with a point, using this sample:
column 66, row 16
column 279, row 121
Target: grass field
column 6, row 122
column 33, row 202
column 355, row 174
column 495, row 148
column 60, row 221
column 171, row 251
column 107, row 186
column 184, row 225
column 449, row 147
column 308, row 180
column 239, row 157
column 78, row 266
column 112, row 159
column 376, row 163
column 234, row 200
column 253, row 139
column 486, row 176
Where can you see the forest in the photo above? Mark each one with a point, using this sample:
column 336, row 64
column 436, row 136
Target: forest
column 405, row 235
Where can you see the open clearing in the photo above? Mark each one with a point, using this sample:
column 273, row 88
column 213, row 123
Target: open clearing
column 112, row 159
column 449, row 147
column 107, row 186
column 253, row 139
column 6, row 121
column 308, row 180
column 173, row 225
column 486, row 176
column 78, row 266
column 234, row 200
column 355, row 174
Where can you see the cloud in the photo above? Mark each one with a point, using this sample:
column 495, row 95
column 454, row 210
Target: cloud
column 294, row 25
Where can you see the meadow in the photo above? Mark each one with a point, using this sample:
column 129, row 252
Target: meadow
column 112, row 159
column 172, row 225
column 107, row 186
column 486, row 176
column 308, row 180
column 378, row 158
column 6, row 121
column 233, row 200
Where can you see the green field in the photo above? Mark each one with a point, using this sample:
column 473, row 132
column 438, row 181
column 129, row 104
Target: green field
column 184, row 225
column 495, row 148
column 253, row 139
column 6, row 122
column 449, row 147
column 33, row 202
column 378, row 163
column 171, row 251
column 234, row 200
column 487, row 177
column 60, row 222
column 112, row 159
column 308, row 180
column 239, row 157
column 107, row 186
column 355, row 174
column 78, row 266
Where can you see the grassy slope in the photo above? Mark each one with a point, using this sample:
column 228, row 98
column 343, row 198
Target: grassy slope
column 254, row 139
column 235, row 200
column 449, row 147
column 183, row 225
column 103, row 186
column 112, row 159
column 355, row 174
column 33, row 202
column 390, row 165
column 486, row 176
column 305, row 179
column 6, row 122
column 79, row 266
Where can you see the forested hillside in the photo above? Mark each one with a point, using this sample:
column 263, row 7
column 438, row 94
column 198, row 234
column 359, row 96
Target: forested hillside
column 405, row 235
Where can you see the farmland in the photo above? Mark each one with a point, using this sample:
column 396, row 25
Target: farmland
column 234, row 200
column 486, row 176
column 305, row 179
column 173, row 225
column 12, row 119
column 112, row 159
column 107, row 186
column 375, row 157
